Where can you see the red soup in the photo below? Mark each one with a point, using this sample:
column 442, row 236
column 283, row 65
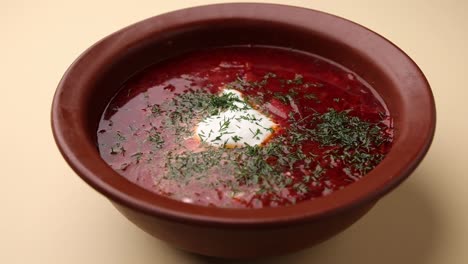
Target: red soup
column 245, row 127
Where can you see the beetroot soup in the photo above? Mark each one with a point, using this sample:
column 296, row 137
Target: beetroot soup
column 245, row 127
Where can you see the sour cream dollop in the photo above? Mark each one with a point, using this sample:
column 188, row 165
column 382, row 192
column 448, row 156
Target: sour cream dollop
column 237, row 127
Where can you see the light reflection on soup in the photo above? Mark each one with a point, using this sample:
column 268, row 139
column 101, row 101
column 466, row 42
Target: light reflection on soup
column 245, row 127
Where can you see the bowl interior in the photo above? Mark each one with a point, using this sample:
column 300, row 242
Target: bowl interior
column 99, row 73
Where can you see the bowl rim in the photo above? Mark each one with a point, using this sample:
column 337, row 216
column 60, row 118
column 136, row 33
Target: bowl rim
column 406, row 154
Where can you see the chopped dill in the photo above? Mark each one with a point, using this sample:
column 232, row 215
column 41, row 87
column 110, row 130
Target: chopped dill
column 155, row 109
column 137, row 157
column 156, row 139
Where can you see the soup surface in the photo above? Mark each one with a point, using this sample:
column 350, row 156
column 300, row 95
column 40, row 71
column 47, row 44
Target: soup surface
column 245, row 127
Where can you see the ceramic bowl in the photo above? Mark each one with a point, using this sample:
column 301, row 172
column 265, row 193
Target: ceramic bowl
column 99, row 72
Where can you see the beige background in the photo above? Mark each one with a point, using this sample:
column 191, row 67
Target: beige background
column 48, row 215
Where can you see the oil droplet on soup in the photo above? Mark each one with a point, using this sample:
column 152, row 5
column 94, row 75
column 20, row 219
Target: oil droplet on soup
column 245, row 127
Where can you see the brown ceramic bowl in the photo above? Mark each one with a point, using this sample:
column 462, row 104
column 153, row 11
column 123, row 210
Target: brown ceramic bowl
column 99, row 72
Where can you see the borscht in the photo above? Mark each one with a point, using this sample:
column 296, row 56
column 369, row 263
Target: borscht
column 245, row 127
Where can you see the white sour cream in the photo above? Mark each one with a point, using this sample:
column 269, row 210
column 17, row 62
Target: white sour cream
column 237, row 127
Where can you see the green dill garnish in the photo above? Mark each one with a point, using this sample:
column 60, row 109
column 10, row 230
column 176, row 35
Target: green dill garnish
column 117, row 149
column 243, row 85
column 310, row 96
column 184, row 110
column 249, row 117
column 269, row 75
column 318, row 171
column 155, row 109
column 185, row 165
column 300, row 188
column 292, row 92
column 281, row 97
column 120, row 137
column 223, row 125
column 137, row 157
column 224, row 102
column 255, row 133
column 339, row 128
column 156, row 139
column 356, row 138
column 298, row 79
column 383, row 116
column 253, row 168
column 313, row 84
column 262, row 82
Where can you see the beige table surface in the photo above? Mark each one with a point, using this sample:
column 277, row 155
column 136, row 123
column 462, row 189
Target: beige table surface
column 48, row 215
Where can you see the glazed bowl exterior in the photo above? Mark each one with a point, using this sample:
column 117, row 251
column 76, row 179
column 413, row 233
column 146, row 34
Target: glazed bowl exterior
column 95, row 77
